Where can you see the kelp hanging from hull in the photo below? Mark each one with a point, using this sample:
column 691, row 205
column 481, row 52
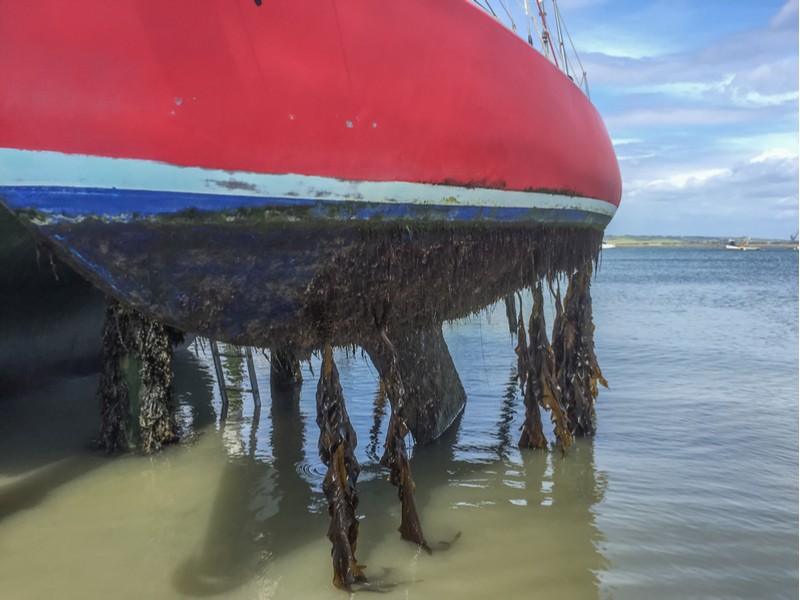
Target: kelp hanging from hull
column 573, row 344
column 337, row 442
column 536, row 369
column 433, row 395
column 284, row 368
column 248, row 279
column 395, row 456
column 561, row 378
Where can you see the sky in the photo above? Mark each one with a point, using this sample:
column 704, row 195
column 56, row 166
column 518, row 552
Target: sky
column 700, row 98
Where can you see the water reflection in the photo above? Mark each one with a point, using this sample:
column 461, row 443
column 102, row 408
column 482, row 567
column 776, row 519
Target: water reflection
column 508, row 411
column 261, row 505
column 528, row 515
column 526, row 518
column 194, row 388
column 379, row 411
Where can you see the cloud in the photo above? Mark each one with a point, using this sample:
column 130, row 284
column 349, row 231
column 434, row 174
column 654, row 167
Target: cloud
column 691, row 179
column 755, row 64
column 774, row 153
column 672, row 117
column 756, row 197
column 787, row 16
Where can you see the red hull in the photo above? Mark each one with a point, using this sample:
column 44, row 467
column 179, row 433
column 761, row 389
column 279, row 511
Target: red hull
column 414, row 91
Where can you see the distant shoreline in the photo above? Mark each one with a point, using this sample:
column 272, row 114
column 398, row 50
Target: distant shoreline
column 635, row 241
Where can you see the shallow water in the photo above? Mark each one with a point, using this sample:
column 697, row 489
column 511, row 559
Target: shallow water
column 689, row 490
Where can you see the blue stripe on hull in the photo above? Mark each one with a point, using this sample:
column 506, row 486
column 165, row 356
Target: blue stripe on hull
column 69, row 202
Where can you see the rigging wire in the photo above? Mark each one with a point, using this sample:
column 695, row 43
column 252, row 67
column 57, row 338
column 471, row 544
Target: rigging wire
column 532, row 21
column 488, row 8
column 563, row 50
column 584, row 83
column 527, row 21
column 542, row 32
column 510, row 18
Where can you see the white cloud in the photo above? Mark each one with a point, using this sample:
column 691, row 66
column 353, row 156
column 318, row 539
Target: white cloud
column 786, row 17
column 760, row 99
column 609, row 43
column 677, row 117
column 762, row 61
column 756, row 196
column 690, row 179
column 772, row 154
column 684, row 89
column 625, row 141
column 784, row 141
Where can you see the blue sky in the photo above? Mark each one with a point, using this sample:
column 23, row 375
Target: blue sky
column 700, row 98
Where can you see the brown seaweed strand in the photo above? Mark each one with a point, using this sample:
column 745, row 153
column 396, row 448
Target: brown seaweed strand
column 529, row 365
column 578, row 370
column 549, row 392
column 395, row 456
column 541, row 385
column 112, row 392
column 337, row 442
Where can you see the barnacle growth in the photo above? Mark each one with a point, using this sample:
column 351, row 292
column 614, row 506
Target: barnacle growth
column 127, row 334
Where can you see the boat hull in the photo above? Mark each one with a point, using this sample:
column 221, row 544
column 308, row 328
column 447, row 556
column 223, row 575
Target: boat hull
column 251, row 281
column 170, row 126
column 54, row 186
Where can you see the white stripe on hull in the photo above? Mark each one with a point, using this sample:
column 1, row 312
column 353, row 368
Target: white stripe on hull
column 46, row 169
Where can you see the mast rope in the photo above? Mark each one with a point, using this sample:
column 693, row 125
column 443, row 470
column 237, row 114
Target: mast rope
column 542, row 32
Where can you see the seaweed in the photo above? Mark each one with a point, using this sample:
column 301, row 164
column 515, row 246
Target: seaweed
column 285, row 368
column 112, row 392
column 578, row 371
column 157, row 422
column 248, row 282
column 536, row 369
column 128, row 333
column 395, row 456
column 337, row 442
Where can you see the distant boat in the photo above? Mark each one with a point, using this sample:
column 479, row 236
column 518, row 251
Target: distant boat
column 608, row 245
column 742, row 245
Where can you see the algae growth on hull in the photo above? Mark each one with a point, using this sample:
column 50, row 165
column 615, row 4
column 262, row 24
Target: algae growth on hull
column 304, row 285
